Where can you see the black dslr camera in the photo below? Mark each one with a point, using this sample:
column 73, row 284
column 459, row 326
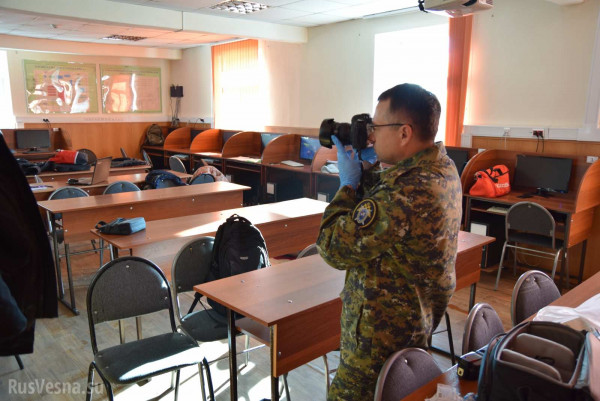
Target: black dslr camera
column 354, row 134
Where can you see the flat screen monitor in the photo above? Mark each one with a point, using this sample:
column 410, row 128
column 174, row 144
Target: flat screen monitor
column 543, row 173
column 308, row 147
column 266, row 138
column 32, row 139
column 460, row 157
column 227, row 135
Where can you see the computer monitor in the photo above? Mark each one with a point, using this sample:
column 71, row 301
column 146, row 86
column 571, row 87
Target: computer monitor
column 32, row 139
column 308, row 147
column 227, row 135
column 460, row 157
column 265, row 138
column 545, row 174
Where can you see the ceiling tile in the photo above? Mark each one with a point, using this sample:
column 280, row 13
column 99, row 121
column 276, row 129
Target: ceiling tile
column 313, row 6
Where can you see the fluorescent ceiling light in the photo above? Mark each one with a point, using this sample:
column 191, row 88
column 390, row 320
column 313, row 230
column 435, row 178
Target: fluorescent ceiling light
column 239, row 7
column 124, row 37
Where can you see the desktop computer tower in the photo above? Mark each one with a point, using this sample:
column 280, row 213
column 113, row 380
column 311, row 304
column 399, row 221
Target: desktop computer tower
column 492, row 226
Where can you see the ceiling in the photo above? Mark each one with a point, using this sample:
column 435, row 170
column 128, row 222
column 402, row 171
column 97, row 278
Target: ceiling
column 179, row 24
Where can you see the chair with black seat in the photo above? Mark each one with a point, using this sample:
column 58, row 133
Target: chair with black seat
column 483, row 324
column 202, row 179
column 404, row 372
column 533, row 290
column 176, row 164
column 190, row 267
column 130, row 287
column 147, row 158
column 528, row 223
column 91, row 156
column 121, row 186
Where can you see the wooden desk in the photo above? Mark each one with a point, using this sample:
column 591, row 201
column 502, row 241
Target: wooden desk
column 300, row 320
column 574, row 210
column 73, row 218
column 64, row 176
column 36, row 156
column 96, row 189
column 287, row 227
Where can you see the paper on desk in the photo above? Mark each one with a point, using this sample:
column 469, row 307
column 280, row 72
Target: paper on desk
column 445, row 393
column 585, row 316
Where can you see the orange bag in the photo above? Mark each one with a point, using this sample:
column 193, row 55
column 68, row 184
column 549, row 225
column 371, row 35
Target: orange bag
column 492, row 182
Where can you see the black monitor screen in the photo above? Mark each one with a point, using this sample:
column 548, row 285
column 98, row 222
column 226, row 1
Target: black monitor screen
column 266, row 138
column 547, row 173
column 460, row 157
column 227, row 135
column 308, row 147
column 32, row 139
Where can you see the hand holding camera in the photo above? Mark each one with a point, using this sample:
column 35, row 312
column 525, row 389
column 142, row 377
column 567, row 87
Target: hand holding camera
column 349, row 166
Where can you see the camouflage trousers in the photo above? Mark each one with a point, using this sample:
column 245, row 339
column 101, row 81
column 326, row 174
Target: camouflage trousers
column 356, row 376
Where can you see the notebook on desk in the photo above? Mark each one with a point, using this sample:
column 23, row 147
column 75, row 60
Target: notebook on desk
column 100, row 173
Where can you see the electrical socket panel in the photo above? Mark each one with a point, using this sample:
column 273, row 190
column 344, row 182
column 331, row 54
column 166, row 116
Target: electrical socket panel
column 538, row 133
column 271, row 188
column 591, row 159
column 506, row 131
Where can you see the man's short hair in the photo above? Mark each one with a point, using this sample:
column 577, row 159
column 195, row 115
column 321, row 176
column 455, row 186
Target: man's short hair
column 421, row 106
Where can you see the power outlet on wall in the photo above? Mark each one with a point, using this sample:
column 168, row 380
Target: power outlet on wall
column 538, row 133
column 591, row 159
column 506, row 132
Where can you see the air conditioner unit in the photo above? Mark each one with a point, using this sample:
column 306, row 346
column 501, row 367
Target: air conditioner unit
column 456, row 8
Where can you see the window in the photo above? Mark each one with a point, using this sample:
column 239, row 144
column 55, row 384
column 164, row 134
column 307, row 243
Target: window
column 419, row 56
column 7, row 118
column 237, row 86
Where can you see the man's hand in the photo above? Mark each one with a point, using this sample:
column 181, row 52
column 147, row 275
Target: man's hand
column 349, row 166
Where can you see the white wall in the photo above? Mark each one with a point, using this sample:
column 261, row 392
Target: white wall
column 17, row 80
column 531, row 64
column 194, row 73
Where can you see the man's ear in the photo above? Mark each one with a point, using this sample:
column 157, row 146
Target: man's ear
column 406, row 134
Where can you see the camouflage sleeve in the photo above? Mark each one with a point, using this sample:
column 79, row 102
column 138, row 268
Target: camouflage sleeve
column 347, row 241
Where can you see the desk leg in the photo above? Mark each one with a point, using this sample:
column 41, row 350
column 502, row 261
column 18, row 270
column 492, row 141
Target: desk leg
column 274, row 379
column 114, row 252
column 582, row 263
column 232, row 355
column 472, row 296
column 70, row 278
column 61, row 288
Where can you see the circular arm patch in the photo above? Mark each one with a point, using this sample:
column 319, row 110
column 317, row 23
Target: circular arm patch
column 364, row 213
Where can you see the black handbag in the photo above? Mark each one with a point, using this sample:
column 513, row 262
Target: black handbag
column 540, row 361
column 121, row 226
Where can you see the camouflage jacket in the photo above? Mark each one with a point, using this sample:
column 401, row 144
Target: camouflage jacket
column 397, row 243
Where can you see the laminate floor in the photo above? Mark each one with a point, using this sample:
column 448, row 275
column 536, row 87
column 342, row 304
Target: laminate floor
column 57, row 370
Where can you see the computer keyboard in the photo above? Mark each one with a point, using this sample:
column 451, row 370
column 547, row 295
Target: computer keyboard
column 498, row 209
column 292, row 163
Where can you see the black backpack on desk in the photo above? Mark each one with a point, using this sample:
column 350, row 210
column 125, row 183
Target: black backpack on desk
column 239, row 248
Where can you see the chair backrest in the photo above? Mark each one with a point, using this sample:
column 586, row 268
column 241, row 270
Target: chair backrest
column 123, row 153
column 121, row 186
column 91, row 156
column 202, row 179
column 176, row 164
column 191, row 266
column 483, row 323
column 68, row 192
column 147, row 157
column 127, row 287
column 404, row 372
column 532, row 218
column 533, row 290
column 308, row 251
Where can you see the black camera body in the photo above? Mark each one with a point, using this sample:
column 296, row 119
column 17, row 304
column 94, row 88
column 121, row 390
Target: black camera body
column 354, row 134
column 469, row 365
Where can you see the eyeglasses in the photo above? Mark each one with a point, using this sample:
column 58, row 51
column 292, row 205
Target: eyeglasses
column 371, row 127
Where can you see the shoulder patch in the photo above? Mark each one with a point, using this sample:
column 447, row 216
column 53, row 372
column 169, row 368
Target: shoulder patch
column 364, row 213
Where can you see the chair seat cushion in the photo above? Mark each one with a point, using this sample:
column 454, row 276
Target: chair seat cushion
column 205, row 325
column 137, row 360
column 534, row 239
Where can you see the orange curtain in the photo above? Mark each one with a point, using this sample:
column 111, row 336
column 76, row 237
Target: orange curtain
column 458, row 71
column 236, row 85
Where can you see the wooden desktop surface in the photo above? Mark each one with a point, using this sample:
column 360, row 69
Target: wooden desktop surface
column 287, row 227
column 79, row 215
column 299, row 301
column 573, row 298
column 96, row 189
column 63, row 176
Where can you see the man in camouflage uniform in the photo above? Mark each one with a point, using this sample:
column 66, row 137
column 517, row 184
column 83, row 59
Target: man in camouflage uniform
column 395, row 233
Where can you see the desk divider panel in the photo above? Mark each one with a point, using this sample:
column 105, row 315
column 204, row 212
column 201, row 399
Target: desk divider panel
column 246, row 143
column 210, row 140
column 180, row 138
column 284, row 147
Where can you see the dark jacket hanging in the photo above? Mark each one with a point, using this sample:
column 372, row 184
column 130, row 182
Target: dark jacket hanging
column 26, row 263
